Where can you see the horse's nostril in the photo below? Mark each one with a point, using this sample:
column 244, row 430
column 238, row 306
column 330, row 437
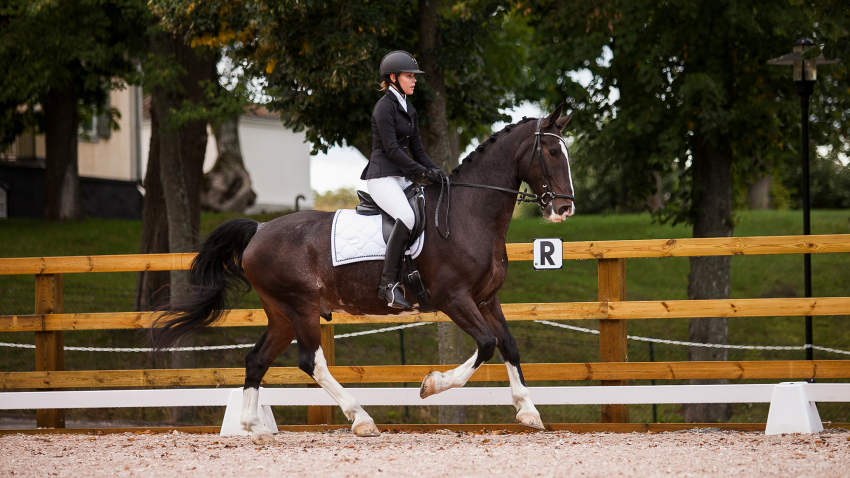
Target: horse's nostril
column 563, row 210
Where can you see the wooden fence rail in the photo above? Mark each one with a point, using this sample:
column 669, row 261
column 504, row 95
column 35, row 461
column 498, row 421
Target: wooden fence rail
column 612, row 310
column 668, row 309
column 646, row 248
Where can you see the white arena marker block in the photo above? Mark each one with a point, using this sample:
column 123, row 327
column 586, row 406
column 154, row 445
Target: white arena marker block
column 232, row 423
column 791, row 411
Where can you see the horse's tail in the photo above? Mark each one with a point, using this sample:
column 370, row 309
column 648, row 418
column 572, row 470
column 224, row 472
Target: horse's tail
column 215, row 271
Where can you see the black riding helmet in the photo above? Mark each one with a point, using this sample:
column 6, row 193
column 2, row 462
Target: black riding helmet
column 396, row 62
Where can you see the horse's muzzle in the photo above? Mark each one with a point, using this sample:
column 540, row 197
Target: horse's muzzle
column 563, row 212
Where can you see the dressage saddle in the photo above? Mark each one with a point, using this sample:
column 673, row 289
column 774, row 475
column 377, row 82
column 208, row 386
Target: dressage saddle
column 412, row 279
column 416, row 198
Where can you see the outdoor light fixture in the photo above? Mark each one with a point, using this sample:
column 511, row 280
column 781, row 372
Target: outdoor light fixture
column 805, row 75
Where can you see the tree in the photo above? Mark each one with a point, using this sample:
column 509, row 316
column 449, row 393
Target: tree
column 60, row 58
column 179, row 78
column 697, row 105
column 319, row 60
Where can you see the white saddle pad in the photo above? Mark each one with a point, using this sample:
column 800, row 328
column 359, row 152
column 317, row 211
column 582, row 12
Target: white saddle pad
column 356, row 238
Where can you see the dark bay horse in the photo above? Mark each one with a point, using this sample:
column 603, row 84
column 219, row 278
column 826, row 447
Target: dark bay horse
column 288, row 262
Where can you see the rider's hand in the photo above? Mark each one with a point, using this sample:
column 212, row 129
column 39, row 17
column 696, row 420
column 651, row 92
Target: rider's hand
column 434, row 175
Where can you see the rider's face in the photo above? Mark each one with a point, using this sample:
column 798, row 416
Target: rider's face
column 407, row 81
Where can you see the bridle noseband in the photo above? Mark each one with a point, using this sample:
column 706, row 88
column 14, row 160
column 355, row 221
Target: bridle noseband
column 543, row 199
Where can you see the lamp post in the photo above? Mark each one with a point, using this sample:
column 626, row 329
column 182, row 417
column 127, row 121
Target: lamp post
column 805, row 75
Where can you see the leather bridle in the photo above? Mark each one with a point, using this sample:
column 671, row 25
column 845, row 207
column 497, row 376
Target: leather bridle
column 547, row 195
column 542, row 199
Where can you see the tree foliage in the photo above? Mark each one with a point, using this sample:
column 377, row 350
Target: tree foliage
column 318, row 60
column 683, row 68
column 93, row 44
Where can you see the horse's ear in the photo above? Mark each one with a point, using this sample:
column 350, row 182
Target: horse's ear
column 563, row 122
column 554, row 116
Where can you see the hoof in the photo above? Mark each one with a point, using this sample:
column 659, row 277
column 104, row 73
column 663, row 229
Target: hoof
column 531, row 420
column 366, row 428
column 263, row 439
column 429, row 385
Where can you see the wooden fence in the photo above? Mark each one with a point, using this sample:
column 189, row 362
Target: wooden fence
column 612, row 310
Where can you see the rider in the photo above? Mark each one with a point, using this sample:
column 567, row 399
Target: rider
column 397, row 154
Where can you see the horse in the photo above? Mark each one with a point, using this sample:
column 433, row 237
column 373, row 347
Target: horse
column 288, row 262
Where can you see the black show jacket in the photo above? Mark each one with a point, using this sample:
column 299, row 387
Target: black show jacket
column 396, row 146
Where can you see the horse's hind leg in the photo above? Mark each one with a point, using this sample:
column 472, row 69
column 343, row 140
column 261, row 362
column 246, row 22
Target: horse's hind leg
column 469, row 319
column 274, row 341
column 527, row 413
column 311, row 360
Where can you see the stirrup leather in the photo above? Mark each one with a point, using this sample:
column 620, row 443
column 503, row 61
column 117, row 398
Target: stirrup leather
column 388, row 292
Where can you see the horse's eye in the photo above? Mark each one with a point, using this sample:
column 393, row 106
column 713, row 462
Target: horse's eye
column 553, row 152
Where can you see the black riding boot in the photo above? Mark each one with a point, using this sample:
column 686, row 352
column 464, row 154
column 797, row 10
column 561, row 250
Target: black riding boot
column 390, row 288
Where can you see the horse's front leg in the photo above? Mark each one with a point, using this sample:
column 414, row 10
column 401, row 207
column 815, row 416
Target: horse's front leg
column 527, row 413
column 469, row 319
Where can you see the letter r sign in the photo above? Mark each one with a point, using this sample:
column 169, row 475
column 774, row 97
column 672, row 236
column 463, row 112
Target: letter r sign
column 548, row 254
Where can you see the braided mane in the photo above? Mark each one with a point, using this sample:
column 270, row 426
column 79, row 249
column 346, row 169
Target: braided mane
column 492, row 139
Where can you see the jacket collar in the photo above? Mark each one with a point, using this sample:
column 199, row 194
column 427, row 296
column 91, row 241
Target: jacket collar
column 394, row 100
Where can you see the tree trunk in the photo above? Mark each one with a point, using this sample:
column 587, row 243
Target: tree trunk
column 710, row 277
column 758, row 194
column 450, row 339
column 437, row 142
column 61, row 175
column 193, row 145
column 171, row 214
column 434, row 132
column 227, row 187
column 655, row 201
column 171, row 171
column 200, row 65
column 150, row 285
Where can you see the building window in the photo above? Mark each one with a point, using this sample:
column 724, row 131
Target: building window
column 22, row 148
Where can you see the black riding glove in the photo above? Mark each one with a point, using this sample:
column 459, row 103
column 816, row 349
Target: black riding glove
column 434, row 175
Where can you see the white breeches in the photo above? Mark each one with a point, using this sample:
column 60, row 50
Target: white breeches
column 388, row 193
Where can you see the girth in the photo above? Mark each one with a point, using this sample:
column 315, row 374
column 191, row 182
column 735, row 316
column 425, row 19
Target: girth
column 416, row 199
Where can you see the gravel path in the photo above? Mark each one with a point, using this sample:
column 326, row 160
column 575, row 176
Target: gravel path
column 340, row 454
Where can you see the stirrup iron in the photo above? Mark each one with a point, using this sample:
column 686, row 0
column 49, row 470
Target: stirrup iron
column 388, row 292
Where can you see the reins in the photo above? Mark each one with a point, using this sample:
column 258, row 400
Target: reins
column 542, row 199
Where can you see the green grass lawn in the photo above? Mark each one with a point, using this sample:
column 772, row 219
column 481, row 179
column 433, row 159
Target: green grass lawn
column 647, row 279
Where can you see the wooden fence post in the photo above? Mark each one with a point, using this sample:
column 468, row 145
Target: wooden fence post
column 49, row 346
column 613, row 345
column 324, row 415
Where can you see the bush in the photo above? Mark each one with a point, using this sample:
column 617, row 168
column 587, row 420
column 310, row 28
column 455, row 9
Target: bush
column 345, row 198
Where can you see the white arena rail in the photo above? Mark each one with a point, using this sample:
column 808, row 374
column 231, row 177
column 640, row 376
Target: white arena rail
column 792, row 408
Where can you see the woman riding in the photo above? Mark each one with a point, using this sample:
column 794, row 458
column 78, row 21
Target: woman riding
column 397, row 154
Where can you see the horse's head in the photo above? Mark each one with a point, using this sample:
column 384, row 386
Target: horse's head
column 547, row 168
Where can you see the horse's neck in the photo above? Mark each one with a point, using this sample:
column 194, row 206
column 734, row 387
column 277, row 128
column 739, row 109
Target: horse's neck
column 494, row 166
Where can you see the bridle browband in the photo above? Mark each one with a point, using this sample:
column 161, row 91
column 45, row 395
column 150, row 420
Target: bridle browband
column 542, row 199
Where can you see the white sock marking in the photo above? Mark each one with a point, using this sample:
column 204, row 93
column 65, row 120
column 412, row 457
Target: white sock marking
column 521, row 397
column 250, row 416
column 323, row 377
column 456, row 377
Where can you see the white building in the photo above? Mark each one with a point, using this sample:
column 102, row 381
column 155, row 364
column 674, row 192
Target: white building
column 277, row 159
